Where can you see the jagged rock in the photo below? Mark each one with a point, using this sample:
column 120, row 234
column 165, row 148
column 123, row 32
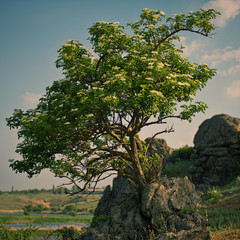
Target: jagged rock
column 166, row 197
column 158, row 146
column 125, row 214
column 216, row 152
column 118, row 213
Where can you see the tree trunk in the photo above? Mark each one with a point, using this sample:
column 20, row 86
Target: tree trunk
column 141, row 180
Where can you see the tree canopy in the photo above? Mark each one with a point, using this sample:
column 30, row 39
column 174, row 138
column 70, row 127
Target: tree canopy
column 87, row 125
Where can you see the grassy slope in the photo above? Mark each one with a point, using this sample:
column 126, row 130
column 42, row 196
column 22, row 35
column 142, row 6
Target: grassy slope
column 222, row 209
column 14, row 202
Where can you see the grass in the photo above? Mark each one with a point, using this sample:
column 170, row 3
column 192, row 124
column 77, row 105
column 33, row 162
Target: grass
column 22, row 219
column 222, row 209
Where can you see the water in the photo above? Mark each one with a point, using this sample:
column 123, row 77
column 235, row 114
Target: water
column 50, row 225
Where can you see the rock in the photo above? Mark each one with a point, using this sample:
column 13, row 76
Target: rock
column 118, row 214
column 158, row 146
column 220, row 130
column 167, row 197
column 125, row 214
column 216, row 152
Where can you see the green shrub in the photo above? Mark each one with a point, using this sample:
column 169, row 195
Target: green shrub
column 178, row 169
column 182, row 153
column 99, row 219
column 67, row 233
column 22, row 234
column 213, row 194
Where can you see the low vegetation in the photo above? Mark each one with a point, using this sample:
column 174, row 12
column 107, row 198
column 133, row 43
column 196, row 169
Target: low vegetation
column 48, row 202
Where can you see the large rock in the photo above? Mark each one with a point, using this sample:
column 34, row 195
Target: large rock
column 118, row 215
column 158, row 146
column 216, row 152
column 169, row 204
column 219, row 131
column 125, row 214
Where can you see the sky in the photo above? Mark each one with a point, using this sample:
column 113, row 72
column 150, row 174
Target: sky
column 32, row 31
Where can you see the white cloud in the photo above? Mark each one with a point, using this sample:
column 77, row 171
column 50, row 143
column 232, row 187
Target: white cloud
column 229, row 10
column 219, row 56
column 191, row 48
column 233, row 91
column 231, row 71
column 31, row 99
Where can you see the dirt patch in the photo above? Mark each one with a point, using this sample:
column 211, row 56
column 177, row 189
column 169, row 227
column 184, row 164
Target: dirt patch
column 10, row 211
column 42, row 202
column 227, row 235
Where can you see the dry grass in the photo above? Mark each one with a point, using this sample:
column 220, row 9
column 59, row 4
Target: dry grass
column 14, row 202
column 228, row 234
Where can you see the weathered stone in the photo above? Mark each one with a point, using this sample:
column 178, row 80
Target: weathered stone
column 166, row 197
column 158, row 146
column 220, row 130
column 123, row 215
column 216, row 151
column 120, row 212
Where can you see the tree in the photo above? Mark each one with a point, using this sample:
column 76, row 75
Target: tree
column 87, row 125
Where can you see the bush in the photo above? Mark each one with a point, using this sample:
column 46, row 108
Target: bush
column 7, row 234
column 30, row 208
column 178, row 169
column 70, row 209
column 182, row 153
column 67, row 233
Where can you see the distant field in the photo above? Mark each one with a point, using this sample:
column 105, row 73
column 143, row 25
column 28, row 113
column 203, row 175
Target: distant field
column 55, row 203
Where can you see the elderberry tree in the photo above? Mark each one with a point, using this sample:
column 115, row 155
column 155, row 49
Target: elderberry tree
column 87, row 125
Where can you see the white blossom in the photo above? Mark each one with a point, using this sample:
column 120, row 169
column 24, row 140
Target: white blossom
column 157, row 93
column 162, row 13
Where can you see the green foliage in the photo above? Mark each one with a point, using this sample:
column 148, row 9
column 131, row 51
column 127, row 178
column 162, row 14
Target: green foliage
column 178, row 169
column 71, row 210
column 182, row 153
column 23, row 234
column 31, row 208
column 181, row 162
column 87, row 124
column 213, row 194
column 67, row 233
column 97, row 220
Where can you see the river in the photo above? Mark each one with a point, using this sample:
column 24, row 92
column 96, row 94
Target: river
column 52, row 225
column 47, row 226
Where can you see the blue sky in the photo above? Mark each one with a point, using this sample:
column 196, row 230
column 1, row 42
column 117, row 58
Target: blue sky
column 32, row 31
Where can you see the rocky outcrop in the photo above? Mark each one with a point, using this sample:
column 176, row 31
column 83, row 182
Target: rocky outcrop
column 118, row 214
column 158, row 146
column 216, row 152
column 162, row 208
